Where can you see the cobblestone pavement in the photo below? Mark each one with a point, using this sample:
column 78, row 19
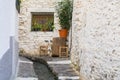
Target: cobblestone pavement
column 33, row 70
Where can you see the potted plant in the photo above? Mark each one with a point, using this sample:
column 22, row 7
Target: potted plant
column 36, row 26
column 50, row 24
column 64, row 11
column 47, row 25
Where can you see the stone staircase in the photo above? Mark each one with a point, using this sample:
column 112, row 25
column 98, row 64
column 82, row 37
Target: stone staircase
column 26, row 70
column 63, row 68
column 59, row 66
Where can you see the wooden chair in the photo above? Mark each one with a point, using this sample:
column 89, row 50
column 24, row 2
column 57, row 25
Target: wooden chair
column 43, row 50
column 63, row 51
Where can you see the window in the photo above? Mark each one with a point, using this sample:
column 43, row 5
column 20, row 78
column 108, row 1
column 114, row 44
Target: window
column 42, row 21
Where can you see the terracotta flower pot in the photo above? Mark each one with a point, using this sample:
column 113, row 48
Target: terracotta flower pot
column 63, row 33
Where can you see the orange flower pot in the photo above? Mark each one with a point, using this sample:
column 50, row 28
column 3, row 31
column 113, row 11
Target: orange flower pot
column 63, row 33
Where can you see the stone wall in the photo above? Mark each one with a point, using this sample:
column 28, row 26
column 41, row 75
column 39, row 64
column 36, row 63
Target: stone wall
column 29, row 42
column 76, row 22
column 96, row 39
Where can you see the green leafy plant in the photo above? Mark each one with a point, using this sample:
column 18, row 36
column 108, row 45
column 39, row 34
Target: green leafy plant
column 64, row 10
column 18, row 2
column 36, row 26
column 48, row 25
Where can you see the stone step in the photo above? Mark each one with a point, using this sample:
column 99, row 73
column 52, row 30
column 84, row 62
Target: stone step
column 26, row 69
column 32, row 70
column 60, row 66
column 63, row 69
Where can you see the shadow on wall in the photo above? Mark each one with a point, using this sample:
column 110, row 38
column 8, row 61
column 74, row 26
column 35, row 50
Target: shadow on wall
column 6, row 65
column 6, row 62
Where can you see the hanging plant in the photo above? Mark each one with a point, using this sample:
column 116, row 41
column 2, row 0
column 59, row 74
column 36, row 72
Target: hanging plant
column 18, row 5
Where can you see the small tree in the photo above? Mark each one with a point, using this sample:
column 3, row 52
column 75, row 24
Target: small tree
column 64, row 11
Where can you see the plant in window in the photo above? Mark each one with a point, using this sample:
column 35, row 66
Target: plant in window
column 50, row 24
column 46, row 24
column 36, row 26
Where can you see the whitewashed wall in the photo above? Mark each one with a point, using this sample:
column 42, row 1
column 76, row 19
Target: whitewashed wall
column 5, row 21
column 96, row 27
column 8, row 40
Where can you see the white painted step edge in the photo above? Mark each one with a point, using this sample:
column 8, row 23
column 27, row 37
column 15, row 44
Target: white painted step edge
column 59, row 62
column 26, row 62
column 68, row 77
column 30, row 78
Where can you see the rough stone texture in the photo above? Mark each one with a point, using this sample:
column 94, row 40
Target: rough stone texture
column 29, row 42
column 78, row 16
column 96, row 27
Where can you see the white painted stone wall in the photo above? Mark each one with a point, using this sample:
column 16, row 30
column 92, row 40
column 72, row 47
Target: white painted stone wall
column 29, row 42
column 8, row 40
column 96, row 38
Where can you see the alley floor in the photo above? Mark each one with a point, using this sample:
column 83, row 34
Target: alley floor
column 46, row 68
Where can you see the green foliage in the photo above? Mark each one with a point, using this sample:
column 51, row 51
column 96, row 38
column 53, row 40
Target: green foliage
column 64, row 10
column 48, row 26
column 18, row 5
column 36, row 26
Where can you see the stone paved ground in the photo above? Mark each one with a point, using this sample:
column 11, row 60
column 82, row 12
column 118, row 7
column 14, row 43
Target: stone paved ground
column 31, row 70
column 35, row 70
column 62, row 67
